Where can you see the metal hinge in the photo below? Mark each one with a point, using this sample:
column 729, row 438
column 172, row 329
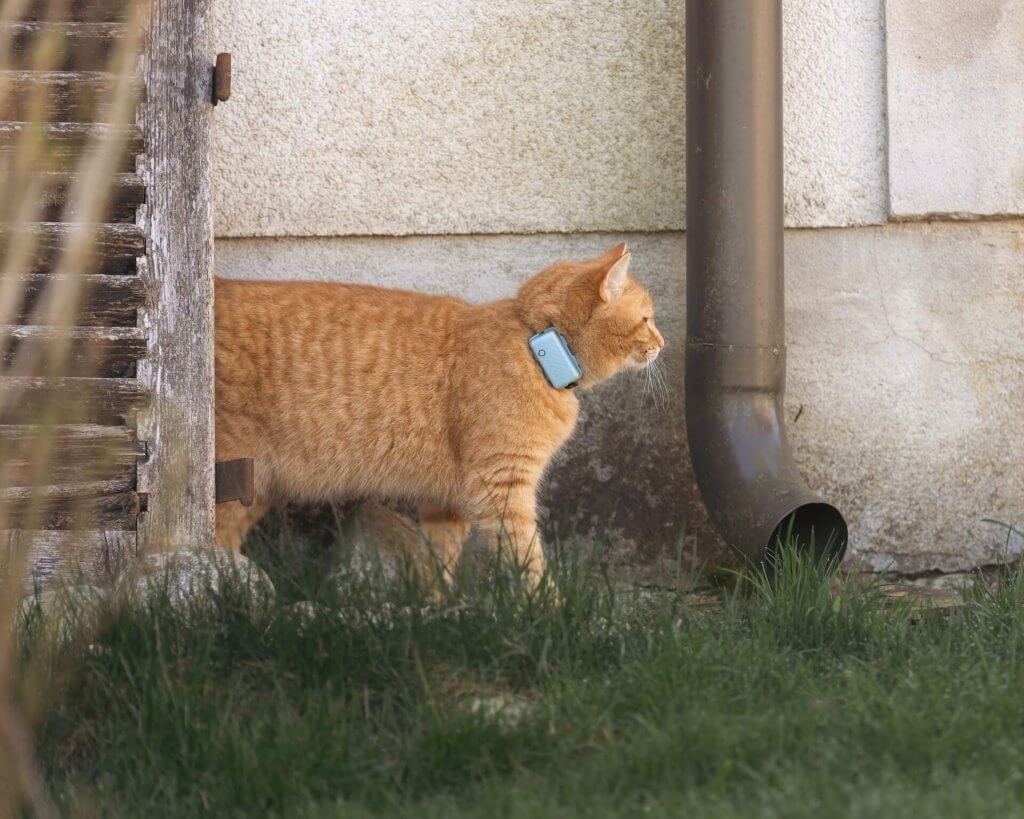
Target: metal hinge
column 235, row 480
column 222, row 78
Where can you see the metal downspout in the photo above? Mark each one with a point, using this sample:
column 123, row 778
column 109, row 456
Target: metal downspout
column 735, row 344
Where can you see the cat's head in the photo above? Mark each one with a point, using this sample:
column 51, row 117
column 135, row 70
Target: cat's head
column 605, row 314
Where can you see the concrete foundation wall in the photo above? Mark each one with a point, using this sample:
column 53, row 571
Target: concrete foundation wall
column 906, row 371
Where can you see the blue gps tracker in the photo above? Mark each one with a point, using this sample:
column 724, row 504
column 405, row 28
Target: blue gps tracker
column 560, row 366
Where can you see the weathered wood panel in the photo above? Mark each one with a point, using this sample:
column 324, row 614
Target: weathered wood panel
column 113, row 465
column 115, row 468
column 23, row 400
column 83, row 436
column 65, row 141
column 90, row 351
column 67, row 96
column 70, row 506
column 91, row 479
column 106, row 301
column 115, row 247
column 70, row 32
column 69, row 557
column 178, row 477
column 70, row 492
column 83, row 10
column 83, row 452
column 83, row 46
column 127, row 193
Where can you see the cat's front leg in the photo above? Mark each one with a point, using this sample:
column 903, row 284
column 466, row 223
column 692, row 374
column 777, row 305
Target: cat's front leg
column 507, row 513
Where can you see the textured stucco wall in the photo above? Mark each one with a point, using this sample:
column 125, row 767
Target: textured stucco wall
column 404, row 117
column 956, row 106
column 906, row 368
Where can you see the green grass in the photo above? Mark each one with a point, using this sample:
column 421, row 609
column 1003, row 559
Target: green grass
column 799, row 697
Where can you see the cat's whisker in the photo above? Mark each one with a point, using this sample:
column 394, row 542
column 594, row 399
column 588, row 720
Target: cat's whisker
column 656, row 385
column 661, row 381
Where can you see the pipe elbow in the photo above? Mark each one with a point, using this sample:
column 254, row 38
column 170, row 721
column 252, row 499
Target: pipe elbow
column 741, row 455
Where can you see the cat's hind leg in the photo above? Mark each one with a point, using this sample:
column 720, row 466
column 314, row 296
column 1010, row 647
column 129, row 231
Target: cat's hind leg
column 446, row 531
column 234, row 522
column 383, row 534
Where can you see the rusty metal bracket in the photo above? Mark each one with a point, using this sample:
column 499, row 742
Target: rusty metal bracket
column 222, row 78
column 235, row 480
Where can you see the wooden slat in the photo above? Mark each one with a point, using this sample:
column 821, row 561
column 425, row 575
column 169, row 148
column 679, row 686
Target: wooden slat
column 116, row 468
column 75, row 454
column 178, row 476
column 69, row 557
column 127, row 192
column 56, row 557
column 78, row 452
column 91, row 351
column 84, row 46
column 23, row 400
column 67, row 96
column 115, row 247
column 68, row 492
column 83, row 437
column 81, row 10
column 93, row 505
column 106, row 301
column 65, row 142
column 74, row 31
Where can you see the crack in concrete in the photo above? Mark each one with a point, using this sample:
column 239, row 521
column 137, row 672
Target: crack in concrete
column 1002, row 359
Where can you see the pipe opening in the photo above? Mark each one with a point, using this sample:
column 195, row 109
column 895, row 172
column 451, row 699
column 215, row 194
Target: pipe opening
column 812, row 528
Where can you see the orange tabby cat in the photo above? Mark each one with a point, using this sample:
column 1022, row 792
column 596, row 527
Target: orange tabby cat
column 345, row 391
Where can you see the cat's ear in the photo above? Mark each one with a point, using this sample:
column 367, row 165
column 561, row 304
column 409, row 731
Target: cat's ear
column 613, row 282
column 612, row 255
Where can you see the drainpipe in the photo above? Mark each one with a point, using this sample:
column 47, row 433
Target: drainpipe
column 735, row 332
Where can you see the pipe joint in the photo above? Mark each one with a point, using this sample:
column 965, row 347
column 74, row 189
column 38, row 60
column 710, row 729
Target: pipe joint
column 738, row 368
